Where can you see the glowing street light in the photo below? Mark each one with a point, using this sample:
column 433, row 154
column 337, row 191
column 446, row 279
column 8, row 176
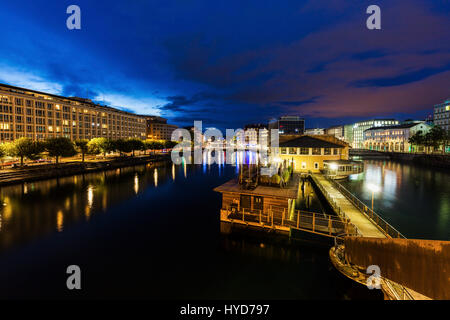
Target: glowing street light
column 374, row 188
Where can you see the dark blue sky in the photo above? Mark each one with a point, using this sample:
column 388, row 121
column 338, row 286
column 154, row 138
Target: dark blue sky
column 229, row 63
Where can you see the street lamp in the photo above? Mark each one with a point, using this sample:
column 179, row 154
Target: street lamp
column 374, row 188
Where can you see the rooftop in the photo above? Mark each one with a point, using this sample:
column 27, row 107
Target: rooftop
column 289, row 192
column 397, row 126
column 309, row 142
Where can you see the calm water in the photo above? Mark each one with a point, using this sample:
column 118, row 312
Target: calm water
column 151, row 232
column 413, row 199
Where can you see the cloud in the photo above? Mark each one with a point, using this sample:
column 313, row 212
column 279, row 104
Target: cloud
column 19, row 78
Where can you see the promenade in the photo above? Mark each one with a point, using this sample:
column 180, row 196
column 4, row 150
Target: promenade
column 365, row 226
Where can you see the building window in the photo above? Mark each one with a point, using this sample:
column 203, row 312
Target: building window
column 304, row 150
column 303, row 165
column 292, row 150
column 327, row 151
column 335, row 151
column 283, row 151
column 316, row 165
column 316, row 151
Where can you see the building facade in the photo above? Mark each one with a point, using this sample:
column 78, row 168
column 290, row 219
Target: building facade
column 255, row 134
column 394, row 138
column 360, row 127
column 288, row 125
column 158, row 128
column 315, row 131
column 442, row 115
column 308, row 154
column 337, row 131
column 37, row 115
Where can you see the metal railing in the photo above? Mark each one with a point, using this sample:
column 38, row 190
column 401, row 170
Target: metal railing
column 302, row 220
column 334, row 204
column 382, row 224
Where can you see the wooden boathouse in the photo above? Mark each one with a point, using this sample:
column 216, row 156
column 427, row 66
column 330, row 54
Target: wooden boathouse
column 269, row 204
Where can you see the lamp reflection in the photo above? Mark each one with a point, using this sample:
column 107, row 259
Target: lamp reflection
column 136, row 183
column 90, row 195
column 155, row 177
column 59, row 221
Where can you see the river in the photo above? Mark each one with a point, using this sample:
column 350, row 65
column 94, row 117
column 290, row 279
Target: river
column 153, row 232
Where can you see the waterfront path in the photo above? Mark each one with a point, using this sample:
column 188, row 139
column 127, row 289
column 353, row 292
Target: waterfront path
column 365, row 226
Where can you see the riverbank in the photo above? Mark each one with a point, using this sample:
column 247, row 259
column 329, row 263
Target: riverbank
column 48, row 171
column 429, row 160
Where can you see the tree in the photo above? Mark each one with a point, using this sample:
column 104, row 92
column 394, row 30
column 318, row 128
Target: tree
column 135, row 144
column 153, row 145
column 3, row 152
column 101, row 145
column 82, row 146
column 435, row 137
column 60, row 147
column 123, row 146
column 168, row 144
column 25, row 148
column 418, row 139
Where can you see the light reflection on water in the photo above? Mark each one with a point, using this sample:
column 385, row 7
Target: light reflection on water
column 415, row 200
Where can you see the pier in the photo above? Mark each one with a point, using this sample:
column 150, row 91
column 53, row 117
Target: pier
column 361, row 237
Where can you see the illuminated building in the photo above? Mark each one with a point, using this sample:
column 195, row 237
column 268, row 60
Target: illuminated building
column 442, row 115
column 394, row 138
column 308, row 153
column 315, row 131
column 360, row 127
column 38, row 115
column 288, row 125
column 158, row 128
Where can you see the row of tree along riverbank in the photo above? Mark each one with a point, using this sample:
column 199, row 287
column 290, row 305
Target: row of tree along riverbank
column 59, row 147
column 49, row 171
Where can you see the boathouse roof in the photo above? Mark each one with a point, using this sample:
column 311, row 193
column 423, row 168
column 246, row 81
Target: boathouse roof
column 309, row 142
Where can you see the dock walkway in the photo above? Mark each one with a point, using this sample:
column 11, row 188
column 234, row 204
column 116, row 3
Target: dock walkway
column 365, row 226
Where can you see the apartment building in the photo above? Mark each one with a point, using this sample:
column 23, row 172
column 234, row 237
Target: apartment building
column 158, row 128
column 442, row 115
column 38, row 115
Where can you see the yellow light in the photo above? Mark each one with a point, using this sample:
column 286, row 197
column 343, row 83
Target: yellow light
column 374, row 188
column 333, row 166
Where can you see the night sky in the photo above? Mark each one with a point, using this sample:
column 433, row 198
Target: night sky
column 230, row 63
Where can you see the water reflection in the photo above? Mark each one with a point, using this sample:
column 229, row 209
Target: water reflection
column 415, row 200
column 28, row 211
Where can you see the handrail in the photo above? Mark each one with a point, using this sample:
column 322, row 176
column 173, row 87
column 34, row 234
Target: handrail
column 382, row 224
column 334, row 204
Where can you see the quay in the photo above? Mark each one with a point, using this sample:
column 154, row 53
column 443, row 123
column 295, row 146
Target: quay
column 362, row 239
column 49, row 171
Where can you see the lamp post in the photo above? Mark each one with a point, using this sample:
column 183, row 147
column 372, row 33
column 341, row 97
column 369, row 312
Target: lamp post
column 374, row 188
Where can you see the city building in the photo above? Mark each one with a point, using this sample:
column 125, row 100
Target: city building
column 38, row 115
column 256, row 134
column 394, row 138
column 348, row 134
column 308, row 153
column 360, row 127
column 288, row 125
column 337, row 131
column 315, row 131
column 158, row 128
column 442, row 115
